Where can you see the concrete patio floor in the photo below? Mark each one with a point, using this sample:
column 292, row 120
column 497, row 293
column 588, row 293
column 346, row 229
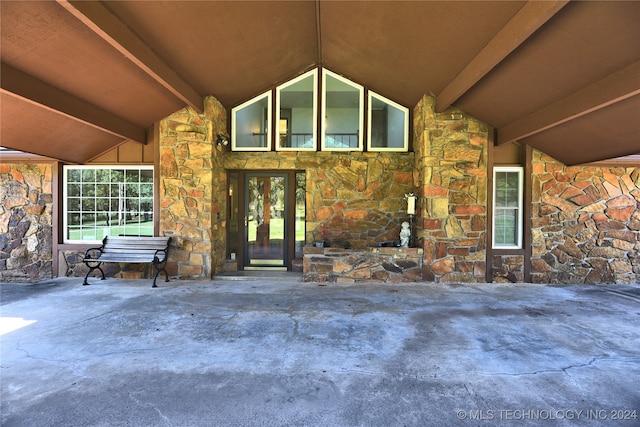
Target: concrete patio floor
column 279, row 352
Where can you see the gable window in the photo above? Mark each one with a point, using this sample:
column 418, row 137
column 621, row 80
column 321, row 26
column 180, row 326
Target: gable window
column 104, row 201
column 251, row 124
column 300, row 121
column 388, row 125
column 342, row 113
column 296, row 112
column 507, row 207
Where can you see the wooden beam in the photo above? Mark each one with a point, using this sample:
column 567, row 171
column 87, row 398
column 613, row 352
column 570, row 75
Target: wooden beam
column 524, row 23
column 614, row 88
column 97, row 16
column 17, row 83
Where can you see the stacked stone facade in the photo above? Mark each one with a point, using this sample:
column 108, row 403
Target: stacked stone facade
column 26, row 206
column 585, row 223
column 354, row 199
column 451, row 182
column 192, row 188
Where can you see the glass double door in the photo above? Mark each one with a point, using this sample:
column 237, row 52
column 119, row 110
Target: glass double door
column 266, row 218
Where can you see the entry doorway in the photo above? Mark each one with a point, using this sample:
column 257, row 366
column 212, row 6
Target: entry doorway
column 266, row 219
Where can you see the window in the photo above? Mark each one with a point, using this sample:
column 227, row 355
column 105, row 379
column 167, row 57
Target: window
column 251, row 125
column 342, row 113
column 296, row 112
column 104, row 201
column 388, row 125
column 299, row 121
column 507, row 207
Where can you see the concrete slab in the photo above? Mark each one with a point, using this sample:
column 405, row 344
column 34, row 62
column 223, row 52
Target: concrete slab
column 266, row 352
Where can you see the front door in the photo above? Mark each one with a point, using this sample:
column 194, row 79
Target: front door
column 266, row 216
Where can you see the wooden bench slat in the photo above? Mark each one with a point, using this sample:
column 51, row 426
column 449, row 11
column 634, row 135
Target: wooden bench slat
column 130, row 259
column 132, row 249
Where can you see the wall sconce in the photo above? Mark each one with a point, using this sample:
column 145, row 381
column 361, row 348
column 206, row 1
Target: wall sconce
column 411, row 203
column 222, row 140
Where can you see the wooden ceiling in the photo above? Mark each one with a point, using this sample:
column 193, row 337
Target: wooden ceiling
column 80, row 77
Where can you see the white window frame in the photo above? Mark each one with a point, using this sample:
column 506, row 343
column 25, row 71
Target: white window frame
column 326, row 73
column 314, row 107
column 268, row 125
column 405, row 110
column 519, row 215
column 65, row 197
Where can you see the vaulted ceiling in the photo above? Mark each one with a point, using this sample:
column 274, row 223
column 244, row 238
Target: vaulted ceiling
column 80, row 77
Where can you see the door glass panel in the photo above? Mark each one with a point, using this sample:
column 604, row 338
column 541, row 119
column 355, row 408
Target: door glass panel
column 301, row 185
column 265, row 220
column 233, row 214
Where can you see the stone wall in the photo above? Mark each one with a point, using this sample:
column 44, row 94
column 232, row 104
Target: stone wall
column 585, row 223
column 362, row 265
column 192, row 191
column 355, row 198
column 26, row 203
column 451, row 182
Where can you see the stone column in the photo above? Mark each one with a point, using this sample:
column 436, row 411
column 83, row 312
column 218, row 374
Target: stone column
column 26, row 203
column 192, row 190
column 451, row 182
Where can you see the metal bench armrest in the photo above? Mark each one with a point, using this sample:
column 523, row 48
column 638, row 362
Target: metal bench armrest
column 156, row 257
column 93, row 253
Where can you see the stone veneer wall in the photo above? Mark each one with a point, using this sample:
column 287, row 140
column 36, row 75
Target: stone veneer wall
column 26, row 203
column 585, row 223
column 451, row 182
column 192, row 188
column 362, row 265
column 353, row 197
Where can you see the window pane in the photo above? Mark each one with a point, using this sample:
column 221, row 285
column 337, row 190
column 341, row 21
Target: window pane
column 507, row 189
column 74, row 175
column 88, row 190
column 102, row 205
column 88, row 175
column 117, row 175
column 506, row 228
column 507, row 207
column 146, row 176
column 146, row 190
column 73, row 204
column 251, row 127
column 73, row 219
column 73, row 190
column 132, row 190
column 342, row 113
column 388, row 125
column 102, row 175
column 88, row 205
column 296, row 119
column 112, row 202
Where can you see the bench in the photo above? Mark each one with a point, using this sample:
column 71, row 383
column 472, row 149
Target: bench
column 152, row 250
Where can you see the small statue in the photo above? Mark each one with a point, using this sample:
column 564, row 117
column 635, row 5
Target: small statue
column 405, row 235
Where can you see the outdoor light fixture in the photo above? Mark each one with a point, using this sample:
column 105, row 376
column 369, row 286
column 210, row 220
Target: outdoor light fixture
column 411, row 211
column 411, row 203
column 222, row 140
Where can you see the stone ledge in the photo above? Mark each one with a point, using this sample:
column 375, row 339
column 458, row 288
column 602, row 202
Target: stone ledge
column 386, row 264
